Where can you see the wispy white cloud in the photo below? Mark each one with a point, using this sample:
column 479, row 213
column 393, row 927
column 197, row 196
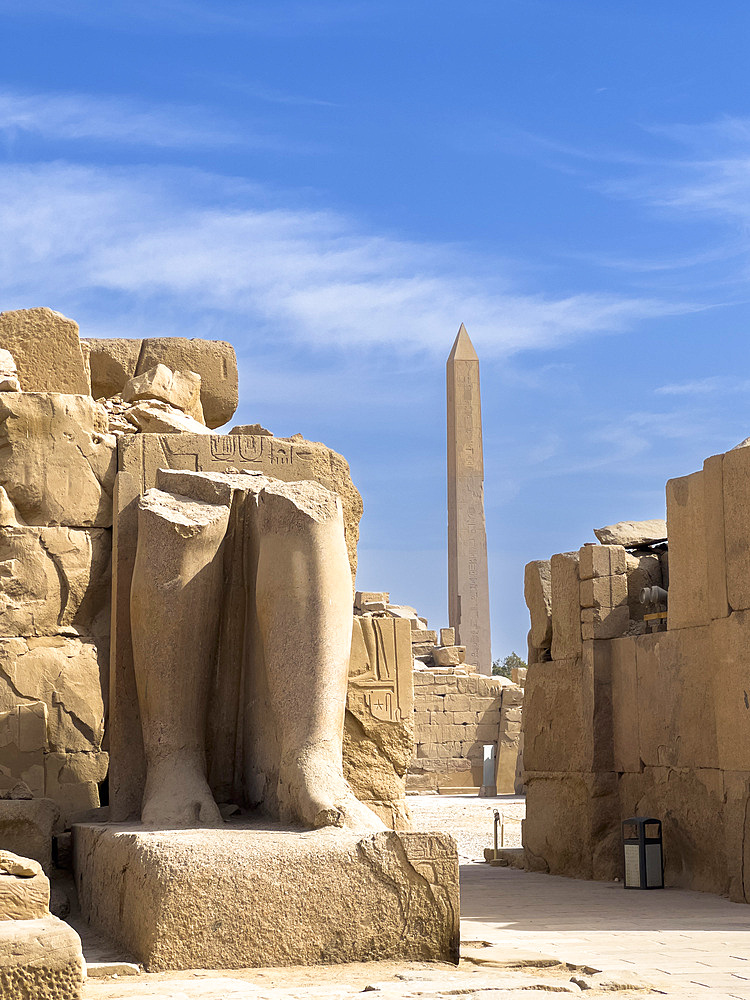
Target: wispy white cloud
column 200, row 249
column 709, row 386
column 119, row 120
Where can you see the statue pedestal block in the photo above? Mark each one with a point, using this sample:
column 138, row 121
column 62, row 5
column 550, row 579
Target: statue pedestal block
column 258, row 894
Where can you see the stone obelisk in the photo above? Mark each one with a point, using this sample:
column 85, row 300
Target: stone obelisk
column 468, row 580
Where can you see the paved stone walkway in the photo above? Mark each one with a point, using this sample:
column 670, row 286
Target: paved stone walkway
column 687, row 944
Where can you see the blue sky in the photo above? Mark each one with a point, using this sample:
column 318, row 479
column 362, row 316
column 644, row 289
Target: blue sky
column 335, row 186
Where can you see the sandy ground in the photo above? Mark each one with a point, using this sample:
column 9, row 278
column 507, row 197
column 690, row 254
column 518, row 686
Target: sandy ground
column 470, row 820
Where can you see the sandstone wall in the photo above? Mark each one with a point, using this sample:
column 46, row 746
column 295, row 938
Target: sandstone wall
column 655, row 724
column 456, row 712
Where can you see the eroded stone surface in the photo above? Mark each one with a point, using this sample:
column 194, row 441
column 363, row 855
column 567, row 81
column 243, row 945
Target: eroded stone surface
column 181, row 900
column 40, row 958
column 379, row 724
column 632, row 533
column 180, row 389
column 47, row 350
column 54, row 580
column 112, row 363
column 64, row 673
column 57, row 462
column 26, row 828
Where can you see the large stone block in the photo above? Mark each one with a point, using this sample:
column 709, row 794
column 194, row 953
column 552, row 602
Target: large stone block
column 566, row 606
column 691, row 804
column 676, row 719
column 263, row 896
column 112, row 362
column 54, row 581
column 716, row 552
column 40, row 959
column 66, row 674
column 557, row 731
column 601, row 560
column 625, row 706
column 26, row 828
column 379, row 723
column 572, row 824
column 736, row 507
column 215, row 362
column 688, row 560
column 23, row 742
column 47, row 350
column 537, row 590
column 58, row 462
column 729, row 683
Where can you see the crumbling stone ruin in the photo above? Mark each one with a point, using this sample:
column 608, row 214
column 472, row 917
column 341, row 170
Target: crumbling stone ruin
column 456, row 712
column 176, row 639
column 636, row 697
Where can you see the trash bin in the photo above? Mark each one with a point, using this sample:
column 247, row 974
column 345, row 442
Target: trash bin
column 643, row 852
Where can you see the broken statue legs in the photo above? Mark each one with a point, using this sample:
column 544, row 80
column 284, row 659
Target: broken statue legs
column 304, row 597
column 175, row 605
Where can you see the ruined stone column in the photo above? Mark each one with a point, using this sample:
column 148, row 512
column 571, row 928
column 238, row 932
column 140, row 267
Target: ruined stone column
column 468, row 581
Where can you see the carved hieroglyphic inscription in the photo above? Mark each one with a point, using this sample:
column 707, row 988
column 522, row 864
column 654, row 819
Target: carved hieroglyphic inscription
column 380, row 681
column 468, row 583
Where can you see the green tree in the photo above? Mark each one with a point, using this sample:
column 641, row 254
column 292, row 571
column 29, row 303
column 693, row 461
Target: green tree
column 503, row 667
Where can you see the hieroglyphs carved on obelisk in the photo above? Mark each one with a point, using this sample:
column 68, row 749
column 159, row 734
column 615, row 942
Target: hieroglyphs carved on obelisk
column 468, row 581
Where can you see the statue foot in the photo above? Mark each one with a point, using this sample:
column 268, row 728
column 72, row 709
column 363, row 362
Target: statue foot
column 177, row 795
column 314, row 792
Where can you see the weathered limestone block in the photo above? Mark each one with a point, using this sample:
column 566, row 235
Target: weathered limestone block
column 447, row 637
column 26, row 828
column 180, row 900
column 23, row 742
column 688, row 558
column 633, row 533
column 693, row 808
column 65, row 673
column 54, row 581
column 566, row 606
column 605, row 622
column 601, row 560
column 379, row 722
column 604, row 592
column 215, row 362
column 572, row 824
column 155, row 417
column 736, row 505
column 72, row 781
column 448, row 656
column 363, row 597
column 40, row 958
column 47, row 349
column 716, row 543
column 58, row 461
column 24, row 888
column 112, row 362
column 180, row 389
column 537, row 589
